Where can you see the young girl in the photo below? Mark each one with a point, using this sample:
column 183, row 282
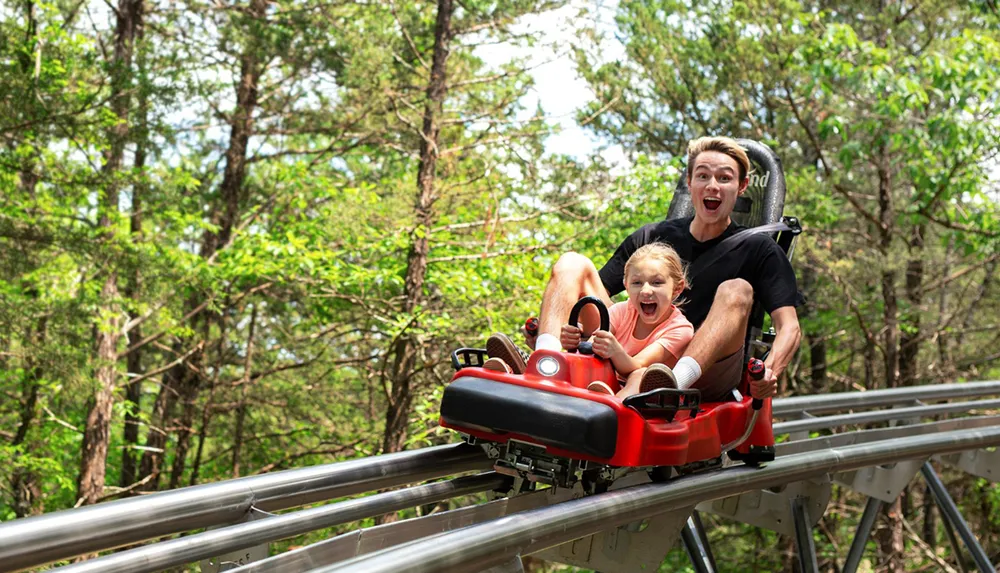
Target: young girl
column 648, row 330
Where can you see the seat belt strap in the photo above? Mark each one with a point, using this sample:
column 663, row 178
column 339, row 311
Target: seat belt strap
column 710, row 257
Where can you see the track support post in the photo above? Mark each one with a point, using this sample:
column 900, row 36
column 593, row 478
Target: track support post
column 861, row 536
column 696, row 545
column 951, row 513
column 804, row 544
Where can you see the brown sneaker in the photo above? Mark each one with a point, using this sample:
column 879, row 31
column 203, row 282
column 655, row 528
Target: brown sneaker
column 657, row 376
column 496, row 365
column 600, row 388
column 500, row 346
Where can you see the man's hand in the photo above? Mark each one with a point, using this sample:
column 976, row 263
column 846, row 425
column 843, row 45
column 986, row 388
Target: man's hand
column 766, row 386
column 529, row 340
column 570, row 336
column 606, row 345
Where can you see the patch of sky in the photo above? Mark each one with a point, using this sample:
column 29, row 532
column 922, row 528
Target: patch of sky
column 557, row 87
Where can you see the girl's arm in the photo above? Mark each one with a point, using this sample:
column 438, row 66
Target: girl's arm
column 607, row 346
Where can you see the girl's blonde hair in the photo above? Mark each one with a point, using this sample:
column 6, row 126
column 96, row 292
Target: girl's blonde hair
column 661, row 252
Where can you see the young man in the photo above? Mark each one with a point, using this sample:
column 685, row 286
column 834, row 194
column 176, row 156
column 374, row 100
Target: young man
column 719, row 301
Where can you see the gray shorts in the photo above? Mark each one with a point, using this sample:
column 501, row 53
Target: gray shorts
column 719, row 379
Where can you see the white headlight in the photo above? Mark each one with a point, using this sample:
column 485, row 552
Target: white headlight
column 547, row 366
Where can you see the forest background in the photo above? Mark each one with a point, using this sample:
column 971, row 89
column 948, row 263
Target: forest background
column 241, row 237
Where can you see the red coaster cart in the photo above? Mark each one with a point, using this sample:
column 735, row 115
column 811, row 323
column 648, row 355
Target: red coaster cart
column 545, row 426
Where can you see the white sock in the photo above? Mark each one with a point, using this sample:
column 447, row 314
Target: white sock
column 687, row 371
column 546, row 341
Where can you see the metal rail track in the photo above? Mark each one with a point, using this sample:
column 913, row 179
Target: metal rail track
column 498, row 541
column 174, row 552
column 824, row 403
column 35, row 541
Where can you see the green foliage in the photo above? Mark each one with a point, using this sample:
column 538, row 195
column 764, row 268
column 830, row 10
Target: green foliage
column 293, row 336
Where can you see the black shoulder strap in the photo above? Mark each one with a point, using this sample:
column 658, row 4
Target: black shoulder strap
column 711, row 256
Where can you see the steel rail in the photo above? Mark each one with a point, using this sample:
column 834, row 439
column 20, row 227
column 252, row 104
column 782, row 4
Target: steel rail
column 866, row 436
column 209, row 544
column 822, row 403
column 35, row 541
column 826, row 422
column 482, row 546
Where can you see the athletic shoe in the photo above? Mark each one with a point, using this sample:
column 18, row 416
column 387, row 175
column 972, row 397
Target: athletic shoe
column 657, row 376
column 600, row 388
column 497, row 365
column 500, row 346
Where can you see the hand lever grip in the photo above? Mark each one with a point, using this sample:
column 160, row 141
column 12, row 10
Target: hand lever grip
column 755, row 368
column 574, row 317
column 531, row 326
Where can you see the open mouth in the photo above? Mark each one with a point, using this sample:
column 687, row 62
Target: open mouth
column 648, row 308
column 712, row 203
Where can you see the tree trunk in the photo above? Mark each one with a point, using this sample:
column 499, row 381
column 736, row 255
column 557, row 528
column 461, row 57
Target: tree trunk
column 405, row 349
column 241, row 412
column 97, row 432
column 24, row 483
column 930, row 521
column 945, row 368
column 156, row 439
column 890, row 539
column 870, row 366
column 133, row 392
column 909, row 343
column 984, row 287
column 231, row 191
column 817, row 341
column 188, row 390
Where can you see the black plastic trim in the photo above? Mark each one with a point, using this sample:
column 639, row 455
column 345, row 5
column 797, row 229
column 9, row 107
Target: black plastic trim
column 567, row 422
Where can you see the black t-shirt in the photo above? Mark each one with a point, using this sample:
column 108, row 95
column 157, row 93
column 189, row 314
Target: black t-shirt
column 757, row 260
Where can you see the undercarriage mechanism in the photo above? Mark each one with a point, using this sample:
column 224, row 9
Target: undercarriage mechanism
column 532, row 464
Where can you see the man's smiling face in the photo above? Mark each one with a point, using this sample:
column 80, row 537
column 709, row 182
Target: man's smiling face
column 715, row 184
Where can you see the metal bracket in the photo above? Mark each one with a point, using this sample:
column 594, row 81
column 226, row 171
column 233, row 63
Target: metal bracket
column 804, row 434
column 770, row 509
column 235, row 559
column 980, row 463
column 633, row 548
column 513, row 565
column 884, row 483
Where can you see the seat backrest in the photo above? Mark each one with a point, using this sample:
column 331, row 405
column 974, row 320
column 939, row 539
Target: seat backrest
column 764, row 199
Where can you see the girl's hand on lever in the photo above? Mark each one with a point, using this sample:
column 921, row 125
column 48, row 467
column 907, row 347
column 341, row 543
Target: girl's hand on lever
column 606, row 345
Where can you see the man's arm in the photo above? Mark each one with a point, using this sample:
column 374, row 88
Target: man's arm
column 786, row 342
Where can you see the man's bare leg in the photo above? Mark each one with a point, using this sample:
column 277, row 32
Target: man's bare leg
column 574, row 276
column 721, row 334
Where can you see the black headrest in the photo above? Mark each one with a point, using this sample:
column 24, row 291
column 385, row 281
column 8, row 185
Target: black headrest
column 764, row 200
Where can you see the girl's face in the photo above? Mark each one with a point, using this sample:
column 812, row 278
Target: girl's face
column 651, row 290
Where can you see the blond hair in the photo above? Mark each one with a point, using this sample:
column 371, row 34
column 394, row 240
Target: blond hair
column 661, row 252
column 724, row 145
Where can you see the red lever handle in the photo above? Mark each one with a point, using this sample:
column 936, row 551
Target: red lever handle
column 755, row 368
column 531, row 326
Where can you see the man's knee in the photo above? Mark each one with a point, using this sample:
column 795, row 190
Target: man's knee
column 572, row 266
column 735, row 293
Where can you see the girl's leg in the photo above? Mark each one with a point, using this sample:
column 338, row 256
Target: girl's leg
column 632, row 384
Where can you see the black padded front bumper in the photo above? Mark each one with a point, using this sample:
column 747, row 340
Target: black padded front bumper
column 566, row 422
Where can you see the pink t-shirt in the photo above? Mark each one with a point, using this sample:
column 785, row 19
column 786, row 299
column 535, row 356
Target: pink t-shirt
column 674, row 333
